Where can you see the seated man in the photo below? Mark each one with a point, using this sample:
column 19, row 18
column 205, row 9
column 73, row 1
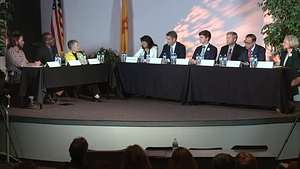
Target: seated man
column 46, row 51
column 15, row 59
column 251, row 49
column 173, row 46
column 73, row 54
column 209, row 51
column 232, row 50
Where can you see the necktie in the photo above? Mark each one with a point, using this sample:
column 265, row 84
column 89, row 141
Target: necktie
column 203, row 50
column 229, row 54
column 250, row 53
column 171, row 50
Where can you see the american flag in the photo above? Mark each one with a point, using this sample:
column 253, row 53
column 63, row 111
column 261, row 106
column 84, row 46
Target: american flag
column 57, row 25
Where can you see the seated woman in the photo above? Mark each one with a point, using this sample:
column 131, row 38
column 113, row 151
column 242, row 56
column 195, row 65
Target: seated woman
column 290, row 56
column 148, row 48
column 73, row 54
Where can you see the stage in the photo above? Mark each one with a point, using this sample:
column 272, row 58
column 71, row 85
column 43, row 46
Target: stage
column 140, row 111
column 113, row 125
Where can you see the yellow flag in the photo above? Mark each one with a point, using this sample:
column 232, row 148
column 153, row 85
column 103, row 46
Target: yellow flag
column 124, row 28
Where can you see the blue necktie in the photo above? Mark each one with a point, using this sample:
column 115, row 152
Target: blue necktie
column 171, row 50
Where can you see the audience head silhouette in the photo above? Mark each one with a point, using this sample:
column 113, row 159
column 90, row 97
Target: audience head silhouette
column 77, row 150
column 182, row 159
column 135, row 158
column 245, row 160
column 223, row 161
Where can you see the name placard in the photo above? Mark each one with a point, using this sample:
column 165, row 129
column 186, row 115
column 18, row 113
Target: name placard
column 74, row 63
column 233, row 63
column 93, row 61
column 155, row 60
column 182, row 62
column 131, row 59
column 265, row 65
column 52, row 64
column 207, row 63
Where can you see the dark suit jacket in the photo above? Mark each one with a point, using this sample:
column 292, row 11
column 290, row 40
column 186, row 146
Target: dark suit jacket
column 180, row 50
column 292, row 61
column 211, row 52
column 259, row 51
column 235, row 53
column 43, row 54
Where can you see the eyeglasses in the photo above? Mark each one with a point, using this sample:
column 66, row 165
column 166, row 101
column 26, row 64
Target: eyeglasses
column 52, row 38
column 247, row 43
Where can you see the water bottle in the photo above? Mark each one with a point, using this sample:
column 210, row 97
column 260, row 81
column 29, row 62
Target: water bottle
column 255, row 61
column 175, row 58
column 80, row 59
column 122, row 56
column 202, row 57
column 175, row 144
column 102, row 57
column 84, row 60
column 164, row 60
column 125, row 56
column 198, row 59
column 141, row 59
column 252, row 61
column 221, row 60
column 58, row 59
column 98, row 56
column 148, row 58
column 224, row 60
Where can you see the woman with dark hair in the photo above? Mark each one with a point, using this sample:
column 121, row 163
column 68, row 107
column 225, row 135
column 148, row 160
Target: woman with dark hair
column 135, row 158
column 182, row 159
column 148, row 48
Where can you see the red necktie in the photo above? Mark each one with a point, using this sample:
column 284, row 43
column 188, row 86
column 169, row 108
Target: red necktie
column 250, row 53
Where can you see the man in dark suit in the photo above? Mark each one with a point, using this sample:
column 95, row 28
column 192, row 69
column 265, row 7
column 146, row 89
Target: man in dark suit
column 232, row 50
column 209, row 51
column 252, row 49
column 173, row 46
column 46, row 51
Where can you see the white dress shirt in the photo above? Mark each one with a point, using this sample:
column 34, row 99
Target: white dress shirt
column 141, row 51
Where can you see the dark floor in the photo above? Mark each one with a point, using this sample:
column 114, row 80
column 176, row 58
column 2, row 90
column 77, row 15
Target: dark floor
column 145, row 109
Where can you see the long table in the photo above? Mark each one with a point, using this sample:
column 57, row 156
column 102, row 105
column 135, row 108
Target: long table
column 187, row 84
column 45, row 78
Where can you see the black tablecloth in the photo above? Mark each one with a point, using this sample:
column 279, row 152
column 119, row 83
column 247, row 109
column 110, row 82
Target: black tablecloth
column 238, row 86
column 76, row 75
column 162, row 81
column 243, row 86
column 45, row 78
column 32, row 83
